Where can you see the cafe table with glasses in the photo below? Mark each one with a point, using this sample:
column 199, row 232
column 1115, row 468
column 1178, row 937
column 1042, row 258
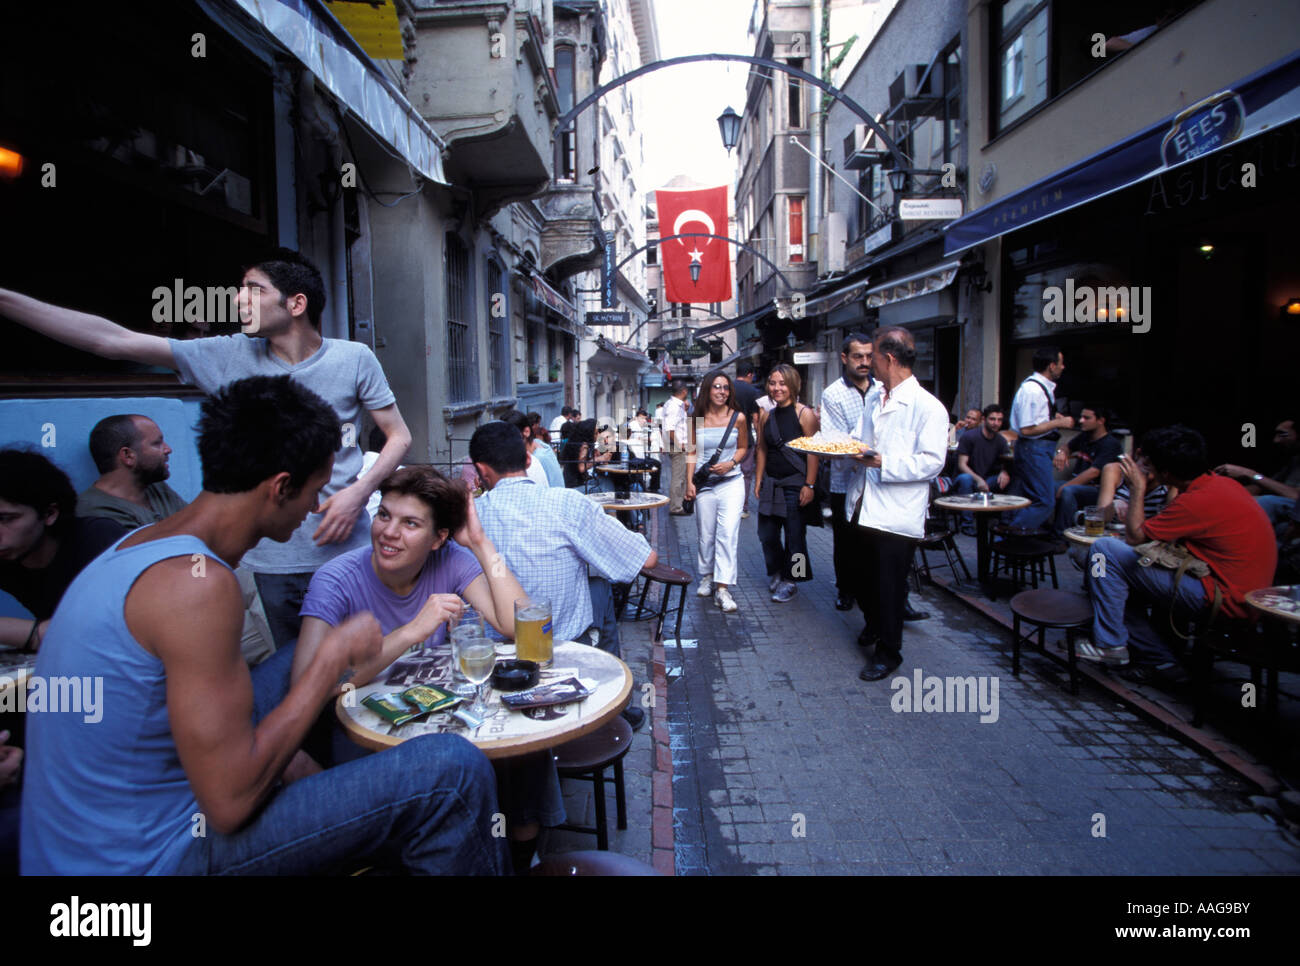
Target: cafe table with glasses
column 501, row 732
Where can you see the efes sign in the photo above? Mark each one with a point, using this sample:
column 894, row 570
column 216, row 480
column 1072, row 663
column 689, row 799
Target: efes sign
column 1203, row 127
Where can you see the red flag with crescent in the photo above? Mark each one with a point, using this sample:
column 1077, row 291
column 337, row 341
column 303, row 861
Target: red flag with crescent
column 700, row 211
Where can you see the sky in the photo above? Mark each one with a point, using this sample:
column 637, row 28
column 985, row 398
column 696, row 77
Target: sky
column 680, row 105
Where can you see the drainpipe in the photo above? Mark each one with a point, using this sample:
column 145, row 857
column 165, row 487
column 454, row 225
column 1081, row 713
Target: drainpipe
column 813, row 214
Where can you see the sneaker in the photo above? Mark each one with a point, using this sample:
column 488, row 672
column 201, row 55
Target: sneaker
column 744, row 514
column 1111, row 656
column 726, row 601
column 706, row 587
column 773, row 582
column 784, row 592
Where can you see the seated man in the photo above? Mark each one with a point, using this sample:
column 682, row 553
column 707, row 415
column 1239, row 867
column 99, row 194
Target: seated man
column 536, row 469
column 983, row 458
column 1093, row 448
column 973, row 419
column 194, row 765
column 428, row 557
column 1278, row 491
column 43, row 546
column 1218, row 523
column 131, row 456
column 550, row 537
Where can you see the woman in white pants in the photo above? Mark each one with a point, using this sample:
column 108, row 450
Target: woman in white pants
column 718, row 504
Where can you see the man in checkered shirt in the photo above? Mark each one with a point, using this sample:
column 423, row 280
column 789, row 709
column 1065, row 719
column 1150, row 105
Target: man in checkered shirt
column 549, row 536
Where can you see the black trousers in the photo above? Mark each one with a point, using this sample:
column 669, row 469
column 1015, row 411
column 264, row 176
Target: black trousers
column 846, row 581
column 882, row 561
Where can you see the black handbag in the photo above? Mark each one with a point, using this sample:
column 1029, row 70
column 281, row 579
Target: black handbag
column 702, row 476
column 812, row 513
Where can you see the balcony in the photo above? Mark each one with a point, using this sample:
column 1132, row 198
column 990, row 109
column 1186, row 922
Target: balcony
column 479, row 78
column 570, row 235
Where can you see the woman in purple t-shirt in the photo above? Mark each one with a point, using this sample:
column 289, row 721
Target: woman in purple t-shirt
column 413, row 578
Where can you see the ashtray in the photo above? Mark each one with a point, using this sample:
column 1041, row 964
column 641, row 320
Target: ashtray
column 514, row 675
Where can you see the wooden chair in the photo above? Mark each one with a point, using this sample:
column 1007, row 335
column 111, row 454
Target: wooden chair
column 1044, row 608
column 586, row 758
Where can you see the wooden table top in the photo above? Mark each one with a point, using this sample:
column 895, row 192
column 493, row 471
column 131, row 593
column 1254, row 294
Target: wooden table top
column 998, row 503
column 1077, row 535
column 505, row 733
column 1276, row 602
column 635, row 501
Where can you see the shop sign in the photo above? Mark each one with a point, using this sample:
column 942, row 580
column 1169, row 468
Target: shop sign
column 925, row 209
column 1203, row 127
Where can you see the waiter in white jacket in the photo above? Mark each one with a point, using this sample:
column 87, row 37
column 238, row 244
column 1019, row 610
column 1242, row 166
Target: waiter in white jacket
column 907, row 430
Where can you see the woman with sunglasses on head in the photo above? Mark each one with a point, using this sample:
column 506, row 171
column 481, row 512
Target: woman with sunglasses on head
column 784, row 482
column 717, row 427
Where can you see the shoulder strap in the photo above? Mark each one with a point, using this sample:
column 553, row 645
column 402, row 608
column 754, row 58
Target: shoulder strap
column 731, row 424
column 1051, row 403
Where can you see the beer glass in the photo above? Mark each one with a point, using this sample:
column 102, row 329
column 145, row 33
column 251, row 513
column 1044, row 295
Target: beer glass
column 1094, row 521
column 533, row 641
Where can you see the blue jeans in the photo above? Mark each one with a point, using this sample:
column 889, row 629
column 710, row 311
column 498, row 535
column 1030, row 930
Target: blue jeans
column 282, row 596
column 1033, row 478
column 427, row 804
column 603, row 615
column 1278, row 509
column 1120, row 596
column 1072, row 500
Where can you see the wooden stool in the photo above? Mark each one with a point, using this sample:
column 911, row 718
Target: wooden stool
column 1021, row 554
column 670, row 577
column 1266, row 650
column 591, row 863
column 939, row 535
column 587, row 758
column 1049, row 608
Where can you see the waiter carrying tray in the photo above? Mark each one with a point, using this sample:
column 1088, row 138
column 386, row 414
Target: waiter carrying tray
column 887, row 498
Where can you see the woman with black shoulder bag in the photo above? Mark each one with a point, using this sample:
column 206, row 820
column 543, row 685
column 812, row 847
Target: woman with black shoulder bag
column 785, row 483
column 717, row 487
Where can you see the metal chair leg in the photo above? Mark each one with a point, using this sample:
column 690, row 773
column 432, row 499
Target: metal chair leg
column 602, row 833
column 620, row 796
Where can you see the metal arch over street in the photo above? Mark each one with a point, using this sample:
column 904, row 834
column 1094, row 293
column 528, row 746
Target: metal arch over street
column 701, row 234
column 565, row 121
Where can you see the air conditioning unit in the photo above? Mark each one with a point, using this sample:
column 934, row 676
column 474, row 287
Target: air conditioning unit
column 915, row 94
column 834, row 242
column 863, row 147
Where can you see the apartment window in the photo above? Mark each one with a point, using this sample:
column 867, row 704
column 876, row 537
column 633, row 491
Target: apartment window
column 935, row 139
column 498, row 329
column 873, row 183
column 794, row 95
column 1046, row 46
column 565, row 85
column 652, row 255
column 795, row 206
column 462, row 374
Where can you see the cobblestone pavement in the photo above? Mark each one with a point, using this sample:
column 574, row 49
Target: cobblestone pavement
column 785, row 763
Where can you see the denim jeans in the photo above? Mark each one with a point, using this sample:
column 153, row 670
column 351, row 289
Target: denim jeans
column 427, row 804
column 1072, row 500
column 1033, row 478
column 603, row 616
column 282, row 596
column 1120, row 593
column 1278, row 509
column 791, row 561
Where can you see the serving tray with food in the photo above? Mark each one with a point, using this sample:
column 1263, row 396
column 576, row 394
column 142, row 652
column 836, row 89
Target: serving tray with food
column 830, row 444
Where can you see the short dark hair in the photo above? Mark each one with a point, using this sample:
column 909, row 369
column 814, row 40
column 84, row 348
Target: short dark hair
column 109, row 436
column 257, row 427
column 897, row 342
column 518, row 420
column 642, row 412
column 293, row 273
column 1177, row 450
column 1044, row 356
column 744, row 369
column 851, row 338
column 992, row 408
column 29, row 479
column 565, row 410
column 444, row 497
column 1101, row 412
column 534, row 419
column 498, row 445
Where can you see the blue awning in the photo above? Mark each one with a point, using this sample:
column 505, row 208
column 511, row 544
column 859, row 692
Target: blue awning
column 1266, row 99
column 316, row 39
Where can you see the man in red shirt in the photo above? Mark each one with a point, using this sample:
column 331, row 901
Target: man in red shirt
column 1214, row 517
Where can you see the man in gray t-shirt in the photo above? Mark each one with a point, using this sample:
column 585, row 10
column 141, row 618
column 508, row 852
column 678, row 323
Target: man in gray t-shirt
column 280, row 304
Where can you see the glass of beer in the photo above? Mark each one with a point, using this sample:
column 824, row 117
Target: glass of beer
column 533, row 640
column 1094, row 521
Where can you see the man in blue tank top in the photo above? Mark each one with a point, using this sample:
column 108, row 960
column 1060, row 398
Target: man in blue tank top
column 190, row 764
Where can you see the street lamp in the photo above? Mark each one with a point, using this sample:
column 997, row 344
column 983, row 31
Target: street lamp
column 729, row 125
column 695, row 273
column 898, row 179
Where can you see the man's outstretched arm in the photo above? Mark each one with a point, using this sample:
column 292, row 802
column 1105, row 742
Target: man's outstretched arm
column 90, row 333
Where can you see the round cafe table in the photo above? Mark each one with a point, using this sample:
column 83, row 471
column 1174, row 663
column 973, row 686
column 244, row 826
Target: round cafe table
column 634, row 501
column 1079, row 536
column 997, row 503
column 505, row 733
column 1275, row 602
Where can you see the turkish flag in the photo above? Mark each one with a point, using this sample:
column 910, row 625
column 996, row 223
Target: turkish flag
column 702, row 211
